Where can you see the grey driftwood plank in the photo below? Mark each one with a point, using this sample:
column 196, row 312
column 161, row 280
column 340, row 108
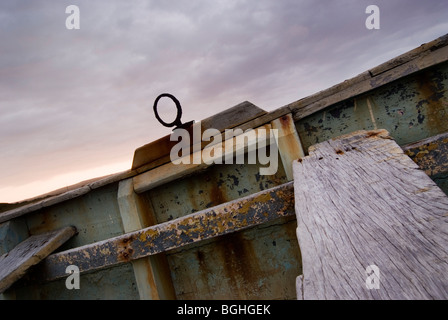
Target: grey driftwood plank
column 361, row 201
column 14, row 264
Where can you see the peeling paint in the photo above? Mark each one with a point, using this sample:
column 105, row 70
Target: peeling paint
column 220, row 220
column 411, row 108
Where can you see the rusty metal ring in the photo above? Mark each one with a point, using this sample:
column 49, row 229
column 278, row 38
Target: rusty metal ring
column 176, row 121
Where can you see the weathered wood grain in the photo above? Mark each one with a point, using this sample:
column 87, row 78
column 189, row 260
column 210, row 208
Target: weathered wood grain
column 170, row 171
column 152, row 274
column 288, row 141
column 229, row 118
column 223, row 219
column 361, row 201
column 14, row 264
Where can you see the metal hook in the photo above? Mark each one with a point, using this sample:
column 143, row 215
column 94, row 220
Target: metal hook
column 176, row 121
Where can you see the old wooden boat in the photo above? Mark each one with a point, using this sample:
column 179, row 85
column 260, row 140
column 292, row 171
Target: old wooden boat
column 199, row 231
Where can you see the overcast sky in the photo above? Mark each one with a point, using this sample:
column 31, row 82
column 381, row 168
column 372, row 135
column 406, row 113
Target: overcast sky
column 75, row 104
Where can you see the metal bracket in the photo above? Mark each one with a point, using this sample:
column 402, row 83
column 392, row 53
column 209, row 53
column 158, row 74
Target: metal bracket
column 177, row 122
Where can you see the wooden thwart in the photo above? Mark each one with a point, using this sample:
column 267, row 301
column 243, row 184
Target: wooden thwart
column 14, row 264
column 360, row 201
column 229, row 217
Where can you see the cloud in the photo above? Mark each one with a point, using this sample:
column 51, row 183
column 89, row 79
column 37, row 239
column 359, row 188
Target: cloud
column 74, row 100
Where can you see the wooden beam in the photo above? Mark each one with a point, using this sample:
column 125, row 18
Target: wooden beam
column 425, row 56
column 63, row 194
column 226, row 119
column 170, row 171
column 288, row 141
column 223, row 219
column 85, row 187
column 360, row 202
column 14, row 264
column 152, row 274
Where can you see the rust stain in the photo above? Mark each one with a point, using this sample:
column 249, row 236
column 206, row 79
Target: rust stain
column 204, row 268
column 431, row 157
column 240, row 265
column 285, row 122
column 150, row 278
column 421, row 154
column 192, row 196
column 434, row 104
column 371, row 134
column 124, row 248
column 148, row 234
column 217, row 196
column 432, row 146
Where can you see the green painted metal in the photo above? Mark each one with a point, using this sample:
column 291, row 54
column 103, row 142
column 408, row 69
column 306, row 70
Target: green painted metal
column 219, row 220
column 11, row 234
column 259, row 263
column 220, row 184
column 96, row 218
column 109, row 284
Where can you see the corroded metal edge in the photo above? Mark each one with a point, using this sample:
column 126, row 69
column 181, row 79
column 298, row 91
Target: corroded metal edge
column 223, row 219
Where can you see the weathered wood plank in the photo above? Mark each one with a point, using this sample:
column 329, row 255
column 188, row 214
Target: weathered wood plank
column 233, row 117
column 223, row 219
column 229, row 118
column 170, row 171
column 63, row 194
column 410, row 55
column 251, row 124
column 14, row 264
column 152, row 274
column 288, row 141
column 430, row 54
column 360, row 202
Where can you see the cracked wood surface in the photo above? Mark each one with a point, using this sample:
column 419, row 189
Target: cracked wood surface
column 14, row 264
column 361, row 201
